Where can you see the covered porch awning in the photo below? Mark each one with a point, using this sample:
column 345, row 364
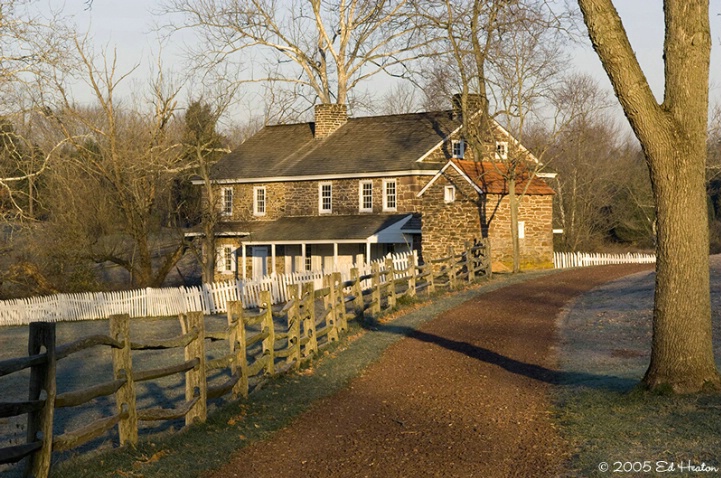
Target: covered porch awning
column 331, row 229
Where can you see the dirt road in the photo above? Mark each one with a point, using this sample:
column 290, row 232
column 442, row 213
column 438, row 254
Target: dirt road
column 466, row 395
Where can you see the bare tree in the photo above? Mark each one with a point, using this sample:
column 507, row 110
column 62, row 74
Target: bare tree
column 319, row 48
column 673, row 136
column 109, row 188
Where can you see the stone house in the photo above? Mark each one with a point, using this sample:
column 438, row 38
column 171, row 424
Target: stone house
column 343, row 190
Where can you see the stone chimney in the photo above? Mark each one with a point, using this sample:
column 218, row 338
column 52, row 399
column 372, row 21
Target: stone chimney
column 475, row 103
column 328, row 118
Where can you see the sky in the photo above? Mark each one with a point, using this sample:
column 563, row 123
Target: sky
column 128, row 26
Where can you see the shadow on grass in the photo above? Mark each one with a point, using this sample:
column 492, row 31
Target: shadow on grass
column 533, row 371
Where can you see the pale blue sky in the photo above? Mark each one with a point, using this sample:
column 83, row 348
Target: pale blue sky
column 128, row 26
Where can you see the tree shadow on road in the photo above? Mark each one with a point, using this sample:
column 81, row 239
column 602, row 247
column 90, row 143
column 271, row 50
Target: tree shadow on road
column 533, row 371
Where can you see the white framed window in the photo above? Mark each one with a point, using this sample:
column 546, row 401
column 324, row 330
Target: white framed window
column 449, row 194
column 365, row 196
column 226, row 201
column 458, row 147
column 259, row 200
column 521, row 229
column 325, row 198
column 225, row 261
column 390, row 195
column 501, row 150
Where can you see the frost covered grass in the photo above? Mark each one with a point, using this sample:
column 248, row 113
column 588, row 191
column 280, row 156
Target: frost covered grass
column 609, row 421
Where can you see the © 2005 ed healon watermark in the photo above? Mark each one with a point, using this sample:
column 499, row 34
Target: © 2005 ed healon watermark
column 659, row 466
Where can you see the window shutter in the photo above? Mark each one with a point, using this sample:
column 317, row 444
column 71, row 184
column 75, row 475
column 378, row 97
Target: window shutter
column 219, row 260
column 234, row 259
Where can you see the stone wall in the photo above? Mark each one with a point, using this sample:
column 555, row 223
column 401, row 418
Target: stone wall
column 472, row 216
column 536, row 249
column 301, row 198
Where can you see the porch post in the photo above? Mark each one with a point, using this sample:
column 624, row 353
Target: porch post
column 245, row 268
column 302, row 257
column 335, row 257
column 272, row 258
column 368, row 252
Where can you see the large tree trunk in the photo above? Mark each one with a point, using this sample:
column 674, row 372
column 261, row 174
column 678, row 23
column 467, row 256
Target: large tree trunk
column 673, row 137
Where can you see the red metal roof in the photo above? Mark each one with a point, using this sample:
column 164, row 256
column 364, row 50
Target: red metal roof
column 491, row 178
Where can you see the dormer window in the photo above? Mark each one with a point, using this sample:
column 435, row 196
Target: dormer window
column 501, row 150
column 459, row 148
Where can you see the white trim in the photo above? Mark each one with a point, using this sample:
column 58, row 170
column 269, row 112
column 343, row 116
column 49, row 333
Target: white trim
column 321, row 209
column 449, row 194
column 521, row 229
column 440, row 144
column 386, row 207
column 361, row 183
column 504, row 147
column 256, row 211
column 546, row 175
column 320, row 177
column 441, row 171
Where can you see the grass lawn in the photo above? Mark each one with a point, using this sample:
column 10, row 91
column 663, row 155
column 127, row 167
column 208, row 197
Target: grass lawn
column 606, row 340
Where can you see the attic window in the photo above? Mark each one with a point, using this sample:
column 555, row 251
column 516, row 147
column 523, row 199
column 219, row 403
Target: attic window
column 459, row 148
column 449, row 194
column 501, row 150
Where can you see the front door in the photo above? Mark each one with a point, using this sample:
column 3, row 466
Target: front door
column 260, row 261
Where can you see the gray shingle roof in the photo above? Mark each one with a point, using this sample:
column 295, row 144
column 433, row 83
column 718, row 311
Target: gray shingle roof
column 363, row 145
column 313, row 228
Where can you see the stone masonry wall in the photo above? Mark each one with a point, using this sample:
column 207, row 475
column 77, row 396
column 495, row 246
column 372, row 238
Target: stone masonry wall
column 300, row 198
column 536, row 249
column 471, row 217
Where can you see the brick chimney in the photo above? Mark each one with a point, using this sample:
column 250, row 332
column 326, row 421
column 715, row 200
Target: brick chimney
column 328, row 118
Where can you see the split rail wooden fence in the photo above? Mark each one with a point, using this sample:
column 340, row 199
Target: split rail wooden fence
column 260, row 343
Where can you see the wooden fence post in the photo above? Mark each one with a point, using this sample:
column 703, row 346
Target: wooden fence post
column 487, row 265
column 311, row 346
column 339, row 304
column 391, row 281
column 42, row 377
column 123, row 369
column 195, row 379
column 411, row 274
column 329, row 302
column 451, row 268
column 237, row 338
column 376, row 289
column 357, row 292
column 470, row 262
column 267, row 325
column 294, row 326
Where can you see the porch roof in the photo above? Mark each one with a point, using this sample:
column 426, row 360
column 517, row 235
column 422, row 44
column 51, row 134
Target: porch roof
column 332, row 228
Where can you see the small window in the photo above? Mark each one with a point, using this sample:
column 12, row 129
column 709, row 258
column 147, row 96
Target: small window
column 325, row 197
column 226, row 205
column 389, row 195
column 501, row 150
column 259, row 201
column 365, row 191
column 449, row 194
column 459, row 148
column 226, row 259
column 521, row 229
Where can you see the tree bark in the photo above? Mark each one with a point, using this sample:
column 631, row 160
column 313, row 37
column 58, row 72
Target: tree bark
column 673, row 138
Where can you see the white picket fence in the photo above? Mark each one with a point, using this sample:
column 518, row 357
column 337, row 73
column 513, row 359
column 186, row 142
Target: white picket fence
column 209, row 298
column 562, row 260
